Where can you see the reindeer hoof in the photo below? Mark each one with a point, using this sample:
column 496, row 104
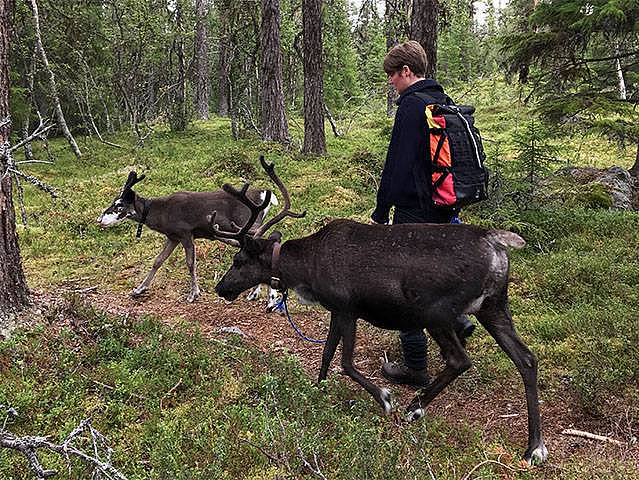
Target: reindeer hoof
column 192, row 297
column 386, row 400
column 138, row 291
column 414, row 415
column 537, row 455
column 254, row 295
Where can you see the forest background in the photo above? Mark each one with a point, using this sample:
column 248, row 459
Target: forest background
column 191, row 93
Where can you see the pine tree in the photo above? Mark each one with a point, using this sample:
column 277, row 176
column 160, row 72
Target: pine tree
column 578, row 51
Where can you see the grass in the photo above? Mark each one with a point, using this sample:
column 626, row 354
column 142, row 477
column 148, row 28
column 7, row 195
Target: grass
column 240, row 413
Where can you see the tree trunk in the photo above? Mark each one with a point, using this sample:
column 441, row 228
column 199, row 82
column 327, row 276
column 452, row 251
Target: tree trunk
column 634, row 170
column 14, row 294
column 620, row 80
column 314, row 136
column 62, row 124
column 274, row 126
column 423, row 28
column 224, row 68
column 203, row 87
column 179, row 118
column 396, row 29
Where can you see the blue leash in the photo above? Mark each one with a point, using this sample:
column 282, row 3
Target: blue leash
column 282, row 304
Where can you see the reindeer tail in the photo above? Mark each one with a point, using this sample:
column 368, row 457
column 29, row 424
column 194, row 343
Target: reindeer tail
column 505, row 239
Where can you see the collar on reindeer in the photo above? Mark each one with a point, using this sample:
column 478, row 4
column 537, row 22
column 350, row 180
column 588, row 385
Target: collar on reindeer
column 276, row 281
column 145, row 212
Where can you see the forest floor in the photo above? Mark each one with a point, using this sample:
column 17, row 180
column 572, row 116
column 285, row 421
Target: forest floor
column 496, row 409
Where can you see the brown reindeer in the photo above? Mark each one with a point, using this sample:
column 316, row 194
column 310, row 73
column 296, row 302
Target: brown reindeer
column 395, row 277
column 183, row 217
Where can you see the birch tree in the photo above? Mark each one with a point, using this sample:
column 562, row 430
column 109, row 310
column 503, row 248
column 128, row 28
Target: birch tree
column 62, row 124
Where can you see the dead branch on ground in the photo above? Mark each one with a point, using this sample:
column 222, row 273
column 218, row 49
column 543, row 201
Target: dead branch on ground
column 99, row 459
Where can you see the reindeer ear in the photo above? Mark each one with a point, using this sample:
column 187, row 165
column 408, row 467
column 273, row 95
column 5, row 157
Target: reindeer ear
column 277, row 236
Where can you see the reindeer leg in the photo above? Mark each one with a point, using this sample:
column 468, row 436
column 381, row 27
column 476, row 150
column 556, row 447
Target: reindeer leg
column 274, row 299
column 189, row 249
column 457, row 362
column 169, row 246
column 333, row 338
column 255, row 293
column 497, row 320
column 348, row 326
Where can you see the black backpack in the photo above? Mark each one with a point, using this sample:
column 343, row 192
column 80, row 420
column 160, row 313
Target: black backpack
column 456, row 154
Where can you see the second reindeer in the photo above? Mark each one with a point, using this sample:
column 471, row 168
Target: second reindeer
column 396, row 277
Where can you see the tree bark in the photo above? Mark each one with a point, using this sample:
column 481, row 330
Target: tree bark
column 396, row 28
column 314, row 135
column 62, row 124
column 274, row 125
column 14, row 294
column 224, row 68
column 423, row 28
column 620, row 80
column 634, row 170
column 203, row 87
column 179, row 118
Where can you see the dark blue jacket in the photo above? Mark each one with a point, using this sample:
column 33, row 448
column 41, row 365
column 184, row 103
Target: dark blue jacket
column 405, row 178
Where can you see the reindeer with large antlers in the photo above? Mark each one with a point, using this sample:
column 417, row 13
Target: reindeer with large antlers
column 396, row 277
column 183, row 217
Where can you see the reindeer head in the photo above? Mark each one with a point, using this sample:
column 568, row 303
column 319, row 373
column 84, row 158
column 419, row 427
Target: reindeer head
column 253, row 264
column 123, row 205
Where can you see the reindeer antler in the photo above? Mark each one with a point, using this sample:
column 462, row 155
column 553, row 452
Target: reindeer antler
column 256, row 209
column 132, row 180
column 285, row 212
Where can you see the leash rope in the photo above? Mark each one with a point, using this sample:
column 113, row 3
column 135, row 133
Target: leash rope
column 279, row 305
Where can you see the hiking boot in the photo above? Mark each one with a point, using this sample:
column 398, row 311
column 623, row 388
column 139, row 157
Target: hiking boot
column 398, row 373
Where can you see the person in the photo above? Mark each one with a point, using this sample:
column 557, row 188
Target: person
column 405, row 186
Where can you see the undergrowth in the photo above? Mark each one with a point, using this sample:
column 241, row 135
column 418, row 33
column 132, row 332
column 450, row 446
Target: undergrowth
column 238, row 413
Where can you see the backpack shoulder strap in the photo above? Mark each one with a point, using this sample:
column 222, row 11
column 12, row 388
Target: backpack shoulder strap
column 429, row 99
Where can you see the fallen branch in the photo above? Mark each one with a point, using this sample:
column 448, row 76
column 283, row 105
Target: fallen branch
column 170, row 392
column 494, row 462
column 313, row 469
column 28, row 446
column 591, row 436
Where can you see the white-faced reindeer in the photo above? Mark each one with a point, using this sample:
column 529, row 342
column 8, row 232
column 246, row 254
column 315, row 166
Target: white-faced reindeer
column 396, row 277
column 183, row 217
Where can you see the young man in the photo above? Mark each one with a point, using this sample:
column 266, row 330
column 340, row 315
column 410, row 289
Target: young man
column 405, row 184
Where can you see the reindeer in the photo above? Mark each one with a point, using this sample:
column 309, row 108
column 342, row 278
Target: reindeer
column 183, row 217
column 395, row 277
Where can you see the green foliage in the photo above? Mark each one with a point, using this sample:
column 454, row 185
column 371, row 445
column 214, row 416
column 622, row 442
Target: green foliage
column 174, row 404
column 573, row 52
column 573, row 297
column 370, row 43
column 341, row 76
column 534, row 158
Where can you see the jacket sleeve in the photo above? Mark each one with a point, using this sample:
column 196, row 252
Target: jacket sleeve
column 405, row 155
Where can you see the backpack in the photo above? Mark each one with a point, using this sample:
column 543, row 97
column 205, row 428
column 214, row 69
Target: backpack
column 456, row 154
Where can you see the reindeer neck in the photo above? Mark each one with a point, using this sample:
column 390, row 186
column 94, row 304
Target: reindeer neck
column 292, row 262
column 142, row 206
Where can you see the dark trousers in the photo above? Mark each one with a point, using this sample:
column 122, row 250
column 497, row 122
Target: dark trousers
column 414, row 342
